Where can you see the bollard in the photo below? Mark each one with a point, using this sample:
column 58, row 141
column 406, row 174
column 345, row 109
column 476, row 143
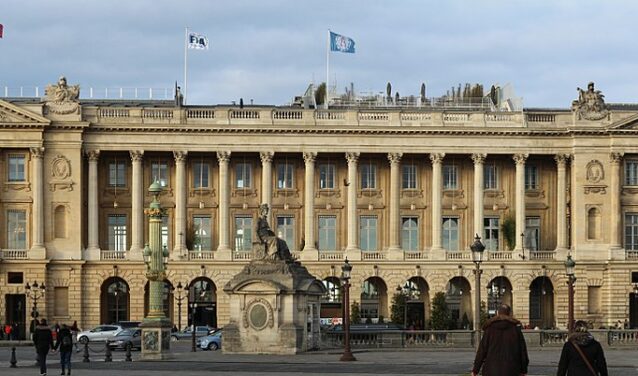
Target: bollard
column 13, row 360
column 107, row 352
column 86, row 353
column 128, row 353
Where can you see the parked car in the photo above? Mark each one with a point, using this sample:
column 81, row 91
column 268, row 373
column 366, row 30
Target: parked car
column 130, row 338
column 187, row 333
column 99, row 334
column 212, row 341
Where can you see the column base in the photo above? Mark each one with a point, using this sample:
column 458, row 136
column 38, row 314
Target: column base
column 353, row 254
column 38, row 252
column 223, row 253
column 617, row 253
column 561, row 253
column 136, row 254
column 395, row 253
column 92, row 253
column 156, row 339
column 309, row 254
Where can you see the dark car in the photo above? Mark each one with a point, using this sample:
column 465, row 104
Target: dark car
column 130, row 338
column 187, row 333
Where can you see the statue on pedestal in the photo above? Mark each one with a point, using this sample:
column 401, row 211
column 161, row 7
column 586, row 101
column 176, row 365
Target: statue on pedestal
column 590, row 104
column 275, row 248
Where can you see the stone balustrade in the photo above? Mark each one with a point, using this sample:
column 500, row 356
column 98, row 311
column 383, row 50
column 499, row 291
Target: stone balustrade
column 201, row 255
column 106, row 255
column 14, row 254
column 330, row 255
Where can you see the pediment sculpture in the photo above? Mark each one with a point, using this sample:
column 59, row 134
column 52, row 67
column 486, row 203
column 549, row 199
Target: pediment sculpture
column 590, row 104
column 62, row 98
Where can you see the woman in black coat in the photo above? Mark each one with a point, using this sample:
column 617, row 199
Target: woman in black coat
column 572, row 363
column 64, row 343
column 43, row 342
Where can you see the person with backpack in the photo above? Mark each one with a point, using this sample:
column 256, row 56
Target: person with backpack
column 65, row 345
column 582, row 355
column 43, row 341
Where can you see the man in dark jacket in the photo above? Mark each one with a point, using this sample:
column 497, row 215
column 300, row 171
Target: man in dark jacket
column 502, row 351
column 43, row 341
column 64, row 341
column 572, row 363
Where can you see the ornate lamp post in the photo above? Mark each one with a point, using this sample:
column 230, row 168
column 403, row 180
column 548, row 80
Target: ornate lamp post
column 35, row 292
column 406, row 291
column 179, row 298
column 156, row 328
column 477, row 257
column 570, row 265
column 346, row 270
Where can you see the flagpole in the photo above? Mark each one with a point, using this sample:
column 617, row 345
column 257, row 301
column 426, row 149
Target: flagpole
column 185, row 65
column 327, row 68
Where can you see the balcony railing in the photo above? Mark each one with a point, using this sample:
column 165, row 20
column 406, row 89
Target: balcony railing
column 242, row 255
column 499, row 255
column 372, row 255
column 542, row 255
column 112, row 255
column 330, row 255
column 632, row 255
column 201, row 255
column 415, row 255
column 461, row 256
column 14, row 254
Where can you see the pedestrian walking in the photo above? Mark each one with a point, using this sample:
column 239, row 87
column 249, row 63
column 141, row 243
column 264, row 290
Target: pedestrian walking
column 582, row 354
column 43, row 342
column 502, row 351
column 74, row 331
column 7, row 331
column 64, row 343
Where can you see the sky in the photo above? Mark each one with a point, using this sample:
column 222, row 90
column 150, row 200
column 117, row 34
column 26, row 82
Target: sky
column 270, row 50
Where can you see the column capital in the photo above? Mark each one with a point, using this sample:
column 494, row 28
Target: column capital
column 520, row 158
column 562, row 159
column 92, row 155
column 223, row 156
column 616, row 157
column 180, row 155
column 137, row 155
column 37, row 153
column 437, row 158
column 352, row 157
column 266, row 156
column 309, row 157
column 478, row 158
column 394, row 158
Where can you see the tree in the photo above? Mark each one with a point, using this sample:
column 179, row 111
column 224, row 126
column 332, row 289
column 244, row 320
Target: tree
column 320, row 94
column 355, row 313
column 397, row 309
column 440, row 317
column 509, row 231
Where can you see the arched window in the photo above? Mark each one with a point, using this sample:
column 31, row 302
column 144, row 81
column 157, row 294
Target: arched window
column 202, row 302
column 333, row 293
column 114, row 301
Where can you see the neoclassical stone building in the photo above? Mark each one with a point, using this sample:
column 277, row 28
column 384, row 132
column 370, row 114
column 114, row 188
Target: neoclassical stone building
column 400, row 191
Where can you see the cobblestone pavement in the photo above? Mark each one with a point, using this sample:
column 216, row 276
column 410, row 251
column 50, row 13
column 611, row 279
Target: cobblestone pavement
column 377, row 362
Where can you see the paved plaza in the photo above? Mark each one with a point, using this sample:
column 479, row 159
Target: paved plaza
column 375, row 362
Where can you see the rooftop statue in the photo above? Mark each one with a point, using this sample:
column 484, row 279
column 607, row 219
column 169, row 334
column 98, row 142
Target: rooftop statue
column 275, row 248
column 590, row 104
column 62, row 98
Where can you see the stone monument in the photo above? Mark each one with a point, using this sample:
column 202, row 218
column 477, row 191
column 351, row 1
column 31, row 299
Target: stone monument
column 274, row 300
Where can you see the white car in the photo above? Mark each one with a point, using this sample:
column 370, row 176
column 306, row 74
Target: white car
column 101, row 333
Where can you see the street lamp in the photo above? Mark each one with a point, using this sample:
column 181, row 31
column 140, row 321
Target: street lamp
column 522, row 245
column 179, row 298
column 35, row 292
column 346, row 271
column 116, row 293
column 406, row 292
column 570, row 265
column 477, row 257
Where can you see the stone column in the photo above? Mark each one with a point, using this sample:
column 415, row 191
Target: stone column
column 479, row 162
column 38, row 251
column 520, row 160
column 310, row 251
column 561, row 203
column 266, row 180
column 93, row 249
column 615, row 233
column 224, row 252
column 437, row 191
column 137, row 205
column 180, row 249
column 353, row 252
column 394, row 250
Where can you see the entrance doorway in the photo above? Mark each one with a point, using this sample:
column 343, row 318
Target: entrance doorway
column 633, row 311
column 15, row 313
column 202, row 303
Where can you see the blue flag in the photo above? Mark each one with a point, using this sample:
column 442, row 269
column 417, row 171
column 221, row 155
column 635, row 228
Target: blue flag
column 340, row 43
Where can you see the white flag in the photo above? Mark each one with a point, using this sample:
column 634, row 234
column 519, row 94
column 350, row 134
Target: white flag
column 197, row 41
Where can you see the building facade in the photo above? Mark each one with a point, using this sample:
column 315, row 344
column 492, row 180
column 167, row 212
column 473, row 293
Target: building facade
column 400, row 191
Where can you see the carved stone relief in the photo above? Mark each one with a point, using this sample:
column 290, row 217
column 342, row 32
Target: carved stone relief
column 60, row 174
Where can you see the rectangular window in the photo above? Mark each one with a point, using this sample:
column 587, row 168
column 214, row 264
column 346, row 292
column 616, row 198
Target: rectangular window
column 327, row 176
column 284, row 175
column 16, row 167
column 164, row 231
column 243, row 233
column 410, row 233
column 159, row 172
column 532, row 233
column 61, row 301
column 117, row 174
column 327, row 233
column 16, row 229
column 631, row 172
column 117, row 232
column 490, row 237
column 450, row 173
column 531, row 177
column 409, row 176
column 450, row 234
column 286, row 231
column 15, row 277
column 368, row 233
column 368, row 176
column 200, row 175
column 243, row 173
column 631, row 231
column 593, row 299
column 202, row 232
column 489, row 177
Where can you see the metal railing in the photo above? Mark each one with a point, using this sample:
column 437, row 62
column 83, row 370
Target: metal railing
column 101, row 93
